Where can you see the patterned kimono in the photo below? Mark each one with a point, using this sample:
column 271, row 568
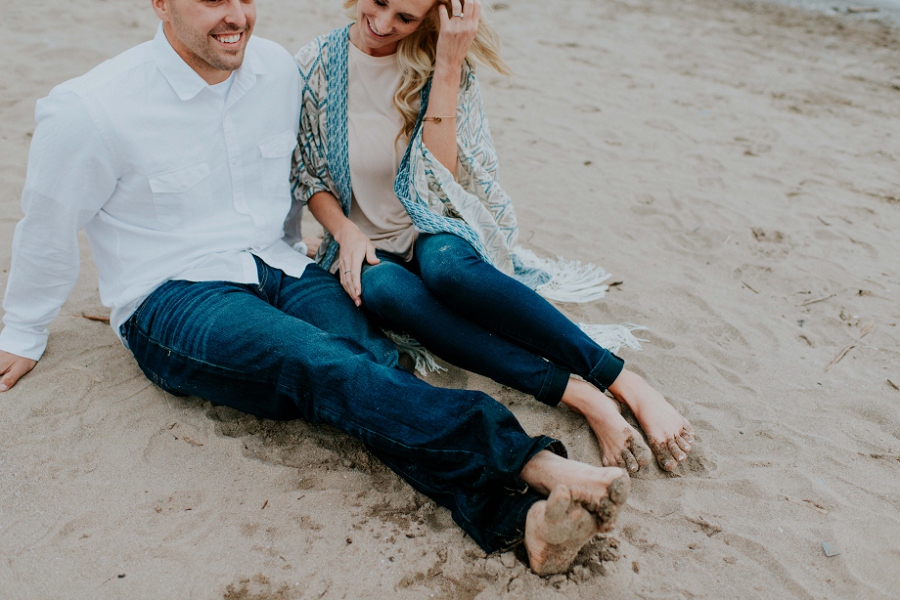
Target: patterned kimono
column 471, row 205
column 474, row 206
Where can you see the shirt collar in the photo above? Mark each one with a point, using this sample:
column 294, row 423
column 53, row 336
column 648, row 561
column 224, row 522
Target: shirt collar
column 186, row 82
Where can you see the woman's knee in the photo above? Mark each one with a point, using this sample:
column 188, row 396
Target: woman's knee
column 388, row 287
column 449, row 264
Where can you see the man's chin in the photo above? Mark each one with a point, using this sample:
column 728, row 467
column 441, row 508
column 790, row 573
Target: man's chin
column 230, row 61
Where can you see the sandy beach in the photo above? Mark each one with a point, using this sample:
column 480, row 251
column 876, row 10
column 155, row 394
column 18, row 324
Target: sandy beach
column 736, row 166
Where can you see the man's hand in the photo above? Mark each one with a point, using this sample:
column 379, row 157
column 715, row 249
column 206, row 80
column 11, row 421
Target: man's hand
column 12, row 368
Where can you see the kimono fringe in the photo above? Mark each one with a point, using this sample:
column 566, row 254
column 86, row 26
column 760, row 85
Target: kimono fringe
column 614, row 337
column 570, row 280
column 425, row 362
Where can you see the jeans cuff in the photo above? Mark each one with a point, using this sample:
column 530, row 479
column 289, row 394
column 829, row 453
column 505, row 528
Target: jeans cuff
column 541, row 442
column 515, row 539
column 530, row 497
column 554, row 385
column 605, row 373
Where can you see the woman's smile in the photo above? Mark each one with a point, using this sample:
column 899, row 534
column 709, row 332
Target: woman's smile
column 374, row 33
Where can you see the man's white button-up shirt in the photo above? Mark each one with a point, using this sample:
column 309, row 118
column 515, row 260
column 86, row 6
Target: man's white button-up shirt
column 168, row 180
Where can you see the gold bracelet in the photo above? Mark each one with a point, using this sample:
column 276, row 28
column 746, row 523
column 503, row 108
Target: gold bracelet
column 438, row 119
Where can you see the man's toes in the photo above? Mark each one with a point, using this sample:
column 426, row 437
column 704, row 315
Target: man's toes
column 676, row 451
column 558, row 505
column 619, row 489
column 607, row 510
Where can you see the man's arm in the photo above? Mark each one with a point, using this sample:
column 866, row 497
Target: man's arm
column 70, row 177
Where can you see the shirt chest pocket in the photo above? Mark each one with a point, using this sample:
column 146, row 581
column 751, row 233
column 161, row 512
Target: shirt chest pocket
column 181, row 195
column 276, row 154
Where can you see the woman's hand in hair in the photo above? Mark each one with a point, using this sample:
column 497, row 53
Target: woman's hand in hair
column 457, row 33
column 454, row 41
column 355, row 248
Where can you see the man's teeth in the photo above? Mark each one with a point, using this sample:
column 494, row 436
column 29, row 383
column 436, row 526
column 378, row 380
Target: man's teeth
column 229, row 39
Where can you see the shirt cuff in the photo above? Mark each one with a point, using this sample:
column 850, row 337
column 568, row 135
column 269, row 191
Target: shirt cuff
column 21, row 343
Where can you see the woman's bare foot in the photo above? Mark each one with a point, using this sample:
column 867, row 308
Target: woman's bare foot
column 555, row 530
column 620, row 443
column 670, row 435
column 600, row 490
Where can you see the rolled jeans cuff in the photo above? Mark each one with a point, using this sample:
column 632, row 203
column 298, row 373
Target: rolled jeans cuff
column 504, row 543
column 605, row 373
column 554, row 386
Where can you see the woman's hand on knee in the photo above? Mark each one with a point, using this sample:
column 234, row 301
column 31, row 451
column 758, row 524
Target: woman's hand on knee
column 355, row 248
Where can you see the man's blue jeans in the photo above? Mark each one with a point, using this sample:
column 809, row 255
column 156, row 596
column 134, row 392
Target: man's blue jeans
column 298, row 348
column 477, row 318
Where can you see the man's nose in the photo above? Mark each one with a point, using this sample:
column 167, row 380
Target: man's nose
column 235, row 14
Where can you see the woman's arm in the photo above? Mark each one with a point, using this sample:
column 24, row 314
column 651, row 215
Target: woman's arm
column 456, row 37
column 355, row 246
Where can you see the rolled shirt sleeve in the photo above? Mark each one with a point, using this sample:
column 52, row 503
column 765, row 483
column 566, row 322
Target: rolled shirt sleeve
column 71, row 175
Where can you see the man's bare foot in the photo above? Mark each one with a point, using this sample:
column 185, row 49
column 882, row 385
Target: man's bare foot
column 670, row 435
column 601, row 490
column 555, row 530
column 312, row 245
column 620, row 443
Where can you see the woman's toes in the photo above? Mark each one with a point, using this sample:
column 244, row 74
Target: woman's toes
column 676, row 451
column 640, row 450
column 683, row 443
column 664, row 457
column 667, row 462
column 629, row 463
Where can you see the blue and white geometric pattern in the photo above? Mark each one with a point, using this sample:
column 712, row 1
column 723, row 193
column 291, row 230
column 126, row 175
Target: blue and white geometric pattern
column 471, row 205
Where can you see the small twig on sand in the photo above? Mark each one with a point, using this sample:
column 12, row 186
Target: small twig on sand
column 97, row 318
column 866, row 330
column 853, row 10
column 824, row 222
column 893, row 385
column 265, row 504
column 814, row 300
column 843, row 353
column 747, row 285
column 813, row 505
column 850, row 347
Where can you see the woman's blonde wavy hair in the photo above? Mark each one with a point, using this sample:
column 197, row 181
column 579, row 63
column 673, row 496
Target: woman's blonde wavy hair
column 416, row 55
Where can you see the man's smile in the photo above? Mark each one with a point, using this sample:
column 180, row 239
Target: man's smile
column 229, row 40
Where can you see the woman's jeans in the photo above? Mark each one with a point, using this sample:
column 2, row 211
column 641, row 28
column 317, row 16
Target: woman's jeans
column 475, row 317
column 291, row 348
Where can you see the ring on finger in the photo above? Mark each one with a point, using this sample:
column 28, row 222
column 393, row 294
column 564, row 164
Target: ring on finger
column 460, row 15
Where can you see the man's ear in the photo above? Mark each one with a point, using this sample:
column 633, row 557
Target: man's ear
column 161, row 8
